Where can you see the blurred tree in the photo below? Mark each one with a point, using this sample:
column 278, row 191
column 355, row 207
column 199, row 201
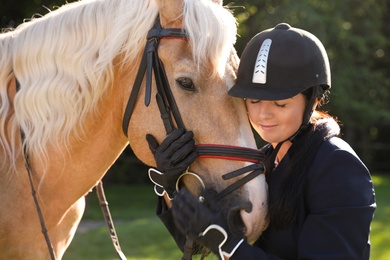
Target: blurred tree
column 14, row 12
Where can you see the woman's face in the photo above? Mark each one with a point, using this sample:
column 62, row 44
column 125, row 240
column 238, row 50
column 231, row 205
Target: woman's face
column 276, row 120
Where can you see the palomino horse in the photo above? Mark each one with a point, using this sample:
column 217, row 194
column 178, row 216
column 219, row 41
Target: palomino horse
column 76, row 67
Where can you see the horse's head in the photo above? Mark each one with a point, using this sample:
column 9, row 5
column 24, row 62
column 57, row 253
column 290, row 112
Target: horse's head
column 200, row 70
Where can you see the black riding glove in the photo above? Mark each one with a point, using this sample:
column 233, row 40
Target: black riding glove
column 203, row 224
column 173, row 156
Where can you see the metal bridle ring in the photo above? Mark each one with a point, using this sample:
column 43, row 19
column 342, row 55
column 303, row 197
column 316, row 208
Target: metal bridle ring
column 189, row 173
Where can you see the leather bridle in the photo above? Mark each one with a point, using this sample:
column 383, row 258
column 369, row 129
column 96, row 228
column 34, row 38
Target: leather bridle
column 170, row 113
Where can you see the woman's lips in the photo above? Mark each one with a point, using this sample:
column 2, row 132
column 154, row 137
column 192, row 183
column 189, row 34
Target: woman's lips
column 267, row 127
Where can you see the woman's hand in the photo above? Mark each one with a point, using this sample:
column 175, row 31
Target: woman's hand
column 204, row 224
column 173, row 156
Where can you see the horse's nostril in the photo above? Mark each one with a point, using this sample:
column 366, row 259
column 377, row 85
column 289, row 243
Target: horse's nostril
column 234, row 220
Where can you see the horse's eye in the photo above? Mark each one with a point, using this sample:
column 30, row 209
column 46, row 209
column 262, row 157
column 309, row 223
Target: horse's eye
column 186, row 84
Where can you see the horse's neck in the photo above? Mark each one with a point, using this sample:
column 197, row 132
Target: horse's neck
column 70, row 172
column 67, row 174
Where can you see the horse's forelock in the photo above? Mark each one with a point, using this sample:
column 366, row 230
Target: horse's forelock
column 212, row 31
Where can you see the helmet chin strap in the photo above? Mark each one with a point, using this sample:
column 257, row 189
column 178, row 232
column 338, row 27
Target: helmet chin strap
column 294, row 137
column 317, row 91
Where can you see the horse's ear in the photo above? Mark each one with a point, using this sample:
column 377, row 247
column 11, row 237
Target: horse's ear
column 170, row 12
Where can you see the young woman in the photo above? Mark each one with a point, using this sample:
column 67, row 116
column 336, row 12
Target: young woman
column 321, row 197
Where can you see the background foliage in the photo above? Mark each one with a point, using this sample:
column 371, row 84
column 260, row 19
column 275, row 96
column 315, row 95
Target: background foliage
column 356, row 36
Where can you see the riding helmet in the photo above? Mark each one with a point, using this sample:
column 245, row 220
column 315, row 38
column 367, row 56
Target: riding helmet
column 280, row 63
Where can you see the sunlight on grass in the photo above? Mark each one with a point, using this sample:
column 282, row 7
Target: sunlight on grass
column 380, row 233
column 144, row 238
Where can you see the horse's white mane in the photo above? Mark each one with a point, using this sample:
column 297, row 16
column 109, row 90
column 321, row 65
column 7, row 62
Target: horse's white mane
column 64, row 61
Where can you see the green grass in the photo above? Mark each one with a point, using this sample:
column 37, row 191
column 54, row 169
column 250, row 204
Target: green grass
column 380, row 229
column 143, row 236
column 140, row 232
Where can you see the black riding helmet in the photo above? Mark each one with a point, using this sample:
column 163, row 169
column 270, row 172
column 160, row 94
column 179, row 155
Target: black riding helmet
column 280, row 63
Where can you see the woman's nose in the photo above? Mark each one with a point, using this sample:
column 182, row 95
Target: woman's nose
column 264, row 109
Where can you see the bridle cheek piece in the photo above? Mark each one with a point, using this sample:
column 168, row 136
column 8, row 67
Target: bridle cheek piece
column 150, row 62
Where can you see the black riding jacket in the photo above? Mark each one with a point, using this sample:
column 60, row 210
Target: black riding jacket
column 334, row 212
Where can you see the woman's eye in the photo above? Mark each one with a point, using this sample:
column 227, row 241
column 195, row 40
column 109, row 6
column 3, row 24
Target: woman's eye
column 186, row 84
column 280, row 104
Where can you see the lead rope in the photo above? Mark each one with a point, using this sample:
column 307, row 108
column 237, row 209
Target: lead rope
column 100, row 194
column 107, row 217
column 33, row 192
column 39, row 211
